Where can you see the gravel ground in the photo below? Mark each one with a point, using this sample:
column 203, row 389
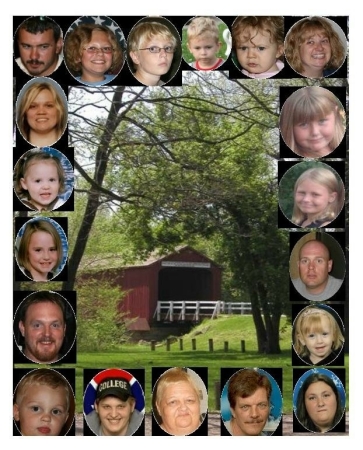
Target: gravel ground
column 214, row 426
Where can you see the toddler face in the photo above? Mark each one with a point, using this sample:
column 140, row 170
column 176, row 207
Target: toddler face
column 42, row 411
column 258, row 54
column 96, row 64
column 319, row 342
column 42, row 183
column 313, row 138
column 204, row 49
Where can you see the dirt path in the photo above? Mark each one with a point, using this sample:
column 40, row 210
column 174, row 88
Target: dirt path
column 214, row 426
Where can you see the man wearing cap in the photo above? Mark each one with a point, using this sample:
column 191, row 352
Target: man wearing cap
column 114, row 413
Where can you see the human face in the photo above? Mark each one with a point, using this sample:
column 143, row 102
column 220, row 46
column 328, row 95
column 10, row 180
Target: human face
column 258, row 54
column 204, row 50
column 313, row 137
column 41, row 180
column 313, row 198
column 42, row 411
column 314, row 266
column 42, row 115
column 42, row 255
column 315, row 53
column 251, row 413
column 321, row 405
column 179, row 409
column 39, row 52
column 114, row 415
column 319, row 343
column 150, row 66
column 43, row 330
column 95, row 65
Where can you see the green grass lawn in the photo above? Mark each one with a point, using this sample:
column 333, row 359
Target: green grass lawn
column 232, row 329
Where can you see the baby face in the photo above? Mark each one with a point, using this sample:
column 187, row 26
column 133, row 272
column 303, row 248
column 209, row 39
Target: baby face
column 42, row 411
column 258, row 54
column 319, row 342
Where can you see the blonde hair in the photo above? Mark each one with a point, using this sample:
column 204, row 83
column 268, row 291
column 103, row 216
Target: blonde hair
column 29, row 96
column 30, row 158
column 172, row 376
column 307, row 104
column 306, row 28
column 201, row 26
column 39, row 377
column 309, row 320
column 32, row 227
column 330, row 181
column 82, row 35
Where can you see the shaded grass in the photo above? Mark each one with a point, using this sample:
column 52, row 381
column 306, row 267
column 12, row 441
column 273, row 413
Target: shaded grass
column 232, row 329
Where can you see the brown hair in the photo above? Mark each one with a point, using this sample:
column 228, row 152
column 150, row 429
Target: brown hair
column 244, row 383
column 82, row 35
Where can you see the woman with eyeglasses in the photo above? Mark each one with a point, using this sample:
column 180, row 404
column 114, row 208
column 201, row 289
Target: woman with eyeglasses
column 92, row 54
column 151, row 46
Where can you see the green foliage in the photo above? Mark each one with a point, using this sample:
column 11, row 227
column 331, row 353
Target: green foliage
column 100, row 325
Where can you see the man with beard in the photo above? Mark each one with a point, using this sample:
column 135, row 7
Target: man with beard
column 40, row 46
column 42, row 325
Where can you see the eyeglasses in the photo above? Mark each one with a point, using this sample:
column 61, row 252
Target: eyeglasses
column 94, row 50
column 155, row 49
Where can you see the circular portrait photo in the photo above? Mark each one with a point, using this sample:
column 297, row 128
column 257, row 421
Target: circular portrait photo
column 41, row 112
column 251, row 403
column 114, row 403
column 179, row 401
column 43, row 179
column 38, row 45
column 319, row 400
column 311, row 194
column 317, row 266
column 312, row 122
column 258, row 45
column 206, row 43
column 41, row 249
column 94, row 50
column 318, row 335
column 315, row 47
column 43, row 404
column 44, row 327
column 154, row 51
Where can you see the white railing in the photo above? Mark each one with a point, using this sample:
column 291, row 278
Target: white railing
column 179, row 309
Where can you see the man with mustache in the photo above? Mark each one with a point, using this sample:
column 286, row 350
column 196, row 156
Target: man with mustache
column 42, row 325
column 249, row 395
column 40, row 46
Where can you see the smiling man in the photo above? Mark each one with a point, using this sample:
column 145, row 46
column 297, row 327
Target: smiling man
column 42, row 325
column 315, row 264
column 114, row 413
column 40, row 46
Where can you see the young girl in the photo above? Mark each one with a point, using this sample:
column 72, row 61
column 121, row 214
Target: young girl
column 312, row 122
column 317, row 337
column 313, row 48
column 318, row 198
column 40, row 251
column 39, row 178
column 151, row 46
column 92, row 54
column 258, row 44
column 41, row 113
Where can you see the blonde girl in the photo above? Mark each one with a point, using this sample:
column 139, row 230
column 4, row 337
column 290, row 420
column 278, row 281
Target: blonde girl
column 318, row 198
column 312, row 122
column 40, row 251
column 317, row 337
column 41, row 113
column 39, row 178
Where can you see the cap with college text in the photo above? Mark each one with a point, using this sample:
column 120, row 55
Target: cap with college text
column 117, row 387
